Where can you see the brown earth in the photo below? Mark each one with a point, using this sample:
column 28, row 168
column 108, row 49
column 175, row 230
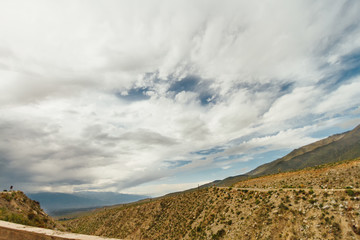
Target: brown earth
column 16, row 207
column 12, row 231
column 335, row 175
column 234, row 213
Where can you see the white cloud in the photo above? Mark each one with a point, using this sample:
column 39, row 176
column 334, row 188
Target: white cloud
column 85, row 98
column 345, row 97
column 161, row 189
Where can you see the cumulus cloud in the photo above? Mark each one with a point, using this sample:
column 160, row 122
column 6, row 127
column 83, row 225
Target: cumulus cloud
column 111, row 95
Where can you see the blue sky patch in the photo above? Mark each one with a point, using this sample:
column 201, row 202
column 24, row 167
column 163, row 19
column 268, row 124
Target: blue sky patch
column 209, row 151
column 194, row 84
column 352, row 61
column 286, row 87
column 134, row 94
column 178, row 163
column 187, row 84
column 230, row 157
column 207, row 98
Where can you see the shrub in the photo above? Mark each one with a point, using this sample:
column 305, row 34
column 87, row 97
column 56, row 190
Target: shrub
column 283, row 206
column 8, row 197
column 31, row 216
column 350, row 192
column 219, row 234
column 336, row 227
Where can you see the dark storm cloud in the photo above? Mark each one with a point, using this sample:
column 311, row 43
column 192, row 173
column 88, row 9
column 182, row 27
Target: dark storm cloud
column 31, row 153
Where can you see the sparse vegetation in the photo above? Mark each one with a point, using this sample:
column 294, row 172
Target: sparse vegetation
column 16, row 207
column 329, row 176
column 234, row 213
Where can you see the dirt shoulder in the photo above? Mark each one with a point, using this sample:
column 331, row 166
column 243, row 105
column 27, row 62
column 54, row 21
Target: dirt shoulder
column 17, row 231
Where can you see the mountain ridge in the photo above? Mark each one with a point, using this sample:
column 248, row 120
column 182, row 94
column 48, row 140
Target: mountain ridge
column 261, row 208
column 338, row 147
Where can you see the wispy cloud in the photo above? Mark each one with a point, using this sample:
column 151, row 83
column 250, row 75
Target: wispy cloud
column 113, row 95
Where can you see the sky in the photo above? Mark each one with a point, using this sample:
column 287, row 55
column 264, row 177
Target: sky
column 157, row 96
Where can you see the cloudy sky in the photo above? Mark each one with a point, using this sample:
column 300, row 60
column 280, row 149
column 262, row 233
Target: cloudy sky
column 156, row 96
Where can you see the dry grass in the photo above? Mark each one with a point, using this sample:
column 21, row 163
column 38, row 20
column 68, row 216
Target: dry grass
column 16, row 207
column 232, row 213
column 335, row 175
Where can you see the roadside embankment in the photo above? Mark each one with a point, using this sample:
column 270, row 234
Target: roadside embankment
column 12, row 231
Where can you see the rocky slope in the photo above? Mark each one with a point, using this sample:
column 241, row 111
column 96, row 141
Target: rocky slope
column 16, row 207
column 238, row 213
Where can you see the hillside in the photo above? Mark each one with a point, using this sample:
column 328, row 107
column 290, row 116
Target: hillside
column 242, row 213
column 335, row 148
column 338, row 175
column 339, row 147
column 16, row 207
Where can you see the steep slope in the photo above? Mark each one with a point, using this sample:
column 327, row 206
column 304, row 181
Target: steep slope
column 16, row 207
column 238, row 213
column 339, row 175
column 332, row 149
column 339, row 147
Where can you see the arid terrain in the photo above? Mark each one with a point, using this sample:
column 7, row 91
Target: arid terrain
column 262, row 210
column 16, row 207
column 314, row 202
column 329, row 176
column 322, row 202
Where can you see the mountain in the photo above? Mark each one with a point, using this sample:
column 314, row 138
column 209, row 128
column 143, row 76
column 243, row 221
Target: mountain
column 335, row 148
column 265, row 209
column 58, row 203
column 339, row 147
column 311, row 193
column 16, row 207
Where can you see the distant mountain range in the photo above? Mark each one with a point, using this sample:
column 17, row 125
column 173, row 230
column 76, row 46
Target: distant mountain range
column 265, row 202
column 339, row 147
column 313, row 203
column 57, row 203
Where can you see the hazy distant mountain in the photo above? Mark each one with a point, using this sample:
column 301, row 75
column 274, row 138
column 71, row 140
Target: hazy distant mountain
column 52, row 201
column 335, row 148
column 315, row 211
column 344, row 146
